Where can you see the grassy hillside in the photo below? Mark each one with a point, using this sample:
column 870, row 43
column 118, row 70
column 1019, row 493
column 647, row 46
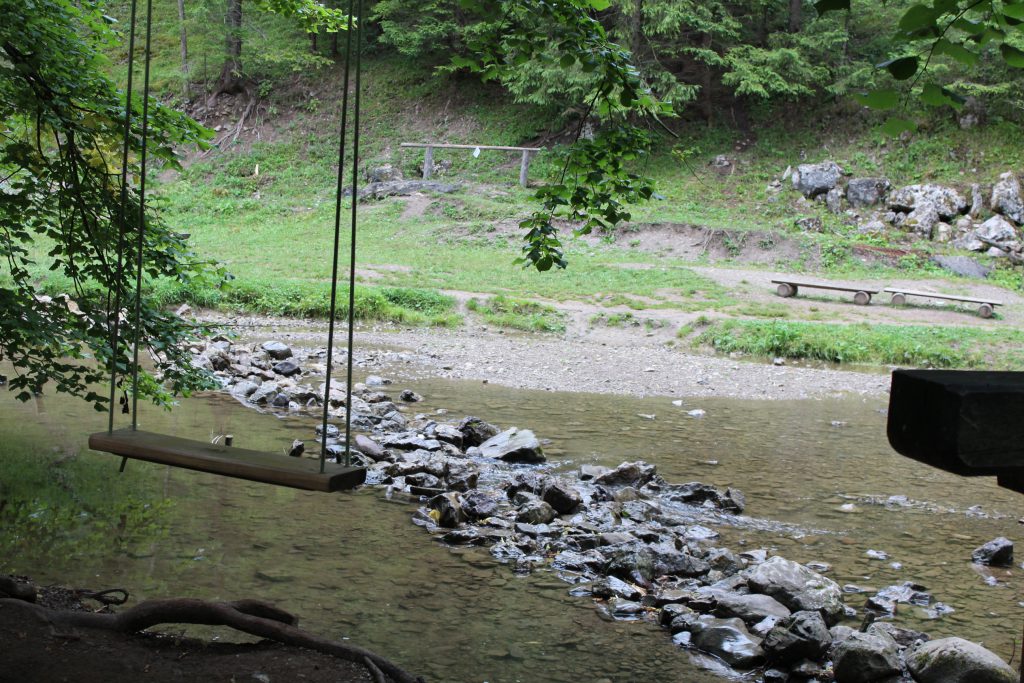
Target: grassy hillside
column 261, row 202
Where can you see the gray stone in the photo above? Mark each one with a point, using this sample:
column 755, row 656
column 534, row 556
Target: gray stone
column 834, row 200
column 998, row 552
column 281, row 400
column 978, row 205
column 277, row 350
column 996, row 229
column 864, row 658
column 672, row 611
column 750, row 607
column 392, row 188
column 370, row 448
column 411, row 441
column 610, row 586
column 634, row 474
column 475, row 431
column 955, row 660
column 812, row 180
column 864, row 192
column 921, row 220
column 969, row 242
column 1006, row 198
column 383, row 173
column 729, row 640
column 535, row 512
column 947, row 202
column 802, row 635
column 287, row 368
column 449, row 509
column 480, row 504
column 513, row 445
column 797, row 587
column 942, row 232
column 410, row 396
column 560, row 496
column 244, row 389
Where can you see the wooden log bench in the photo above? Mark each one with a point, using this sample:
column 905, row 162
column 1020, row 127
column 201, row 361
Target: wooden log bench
column 788, row 288
column 985, row 309
column 428, row 155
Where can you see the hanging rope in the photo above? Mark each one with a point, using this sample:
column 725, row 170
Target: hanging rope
column 140, row 245
column 116, row 331
column 352, row 26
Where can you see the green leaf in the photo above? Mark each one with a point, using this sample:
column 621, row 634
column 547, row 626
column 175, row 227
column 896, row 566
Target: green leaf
column 824, row 6
column 893, row 127
column 901, row 68
column 917, row 18
column 969, row 26
column 1012, row 56
column 1013, row 11
column 956, row 51
column 934, row 96
column 879, row 99
column 599, row 5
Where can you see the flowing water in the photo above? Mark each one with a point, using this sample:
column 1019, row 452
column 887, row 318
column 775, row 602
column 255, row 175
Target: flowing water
column 352, row 565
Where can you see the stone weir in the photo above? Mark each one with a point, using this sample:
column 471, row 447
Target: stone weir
column 639, row 546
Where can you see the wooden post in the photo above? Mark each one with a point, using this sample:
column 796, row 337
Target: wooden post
column 428, row 163
column 524, row 168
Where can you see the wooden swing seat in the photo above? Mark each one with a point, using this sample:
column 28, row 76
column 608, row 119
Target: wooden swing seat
column 228, row 461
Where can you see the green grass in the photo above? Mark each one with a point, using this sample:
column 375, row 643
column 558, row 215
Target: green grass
column 518, row 314
column 919, row 346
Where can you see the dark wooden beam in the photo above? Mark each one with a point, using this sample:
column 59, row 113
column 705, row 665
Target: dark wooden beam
column 969, row 423
column 239, row 463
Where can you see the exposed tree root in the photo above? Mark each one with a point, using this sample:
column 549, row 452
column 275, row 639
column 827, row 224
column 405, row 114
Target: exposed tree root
column 249, row 616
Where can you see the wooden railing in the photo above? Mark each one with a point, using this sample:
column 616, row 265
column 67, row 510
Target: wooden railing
column 428, row 156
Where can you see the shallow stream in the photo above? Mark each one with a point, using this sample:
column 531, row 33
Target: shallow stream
column 352, row 565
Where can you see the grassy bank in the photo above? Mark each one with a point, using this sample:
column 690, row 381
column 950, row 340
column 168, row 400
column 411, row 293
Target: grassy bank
column 907, row 345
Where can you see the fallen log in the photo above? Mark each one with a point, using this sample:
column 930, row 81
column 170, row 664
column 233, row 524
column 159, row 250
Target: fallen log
column 254, row 617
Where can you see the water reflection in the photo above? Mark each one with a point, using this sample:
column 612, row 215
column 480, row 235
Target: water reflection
column 353, row 566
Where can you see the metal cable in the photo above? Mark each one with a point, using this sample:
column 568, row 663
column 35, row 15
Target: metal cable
column 116, row 332
column 337, row 240
column 352, row 258
column 142, row 219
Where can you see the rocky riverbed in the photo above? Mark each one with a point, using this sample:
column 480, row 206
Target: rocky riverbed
column 639, row 546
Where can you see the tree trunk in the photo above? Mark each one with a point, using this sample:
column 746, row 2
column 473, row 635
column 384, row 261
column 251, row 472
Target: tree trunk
column 334, row 45
column 637, row 30
column 705, row 86
column 796, row 15
column 312, row 43
column 231, row 80
column 184, row 49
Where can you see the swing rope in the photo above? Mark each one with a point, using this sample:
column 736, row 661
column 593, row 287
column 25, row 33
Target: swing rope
column 140, row 238
column 337, row 236
column 116, row 310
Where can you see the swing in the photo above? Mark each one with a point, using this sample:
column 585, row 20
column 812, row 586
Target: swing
column 219, row 458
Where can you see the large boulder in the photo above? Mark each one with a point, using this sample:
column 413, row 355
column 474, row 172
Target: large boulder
column 729, row 640
column 634, row 474
column 1006, row 198
column 864, row 658
column 513, row 445
column 447, row 508
column 922, row 220
column 814, row 179
column 803, row 635
column 955, row 660
column 997, row 229
column 475, row 431
column 561, row 496
column 750, row 607
column 797, row 587
column 946, row 201
column 964, row 266
column 862, row 192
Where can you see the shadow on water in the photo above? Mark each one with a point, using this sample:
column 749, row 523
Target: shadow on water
column 352, row 565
